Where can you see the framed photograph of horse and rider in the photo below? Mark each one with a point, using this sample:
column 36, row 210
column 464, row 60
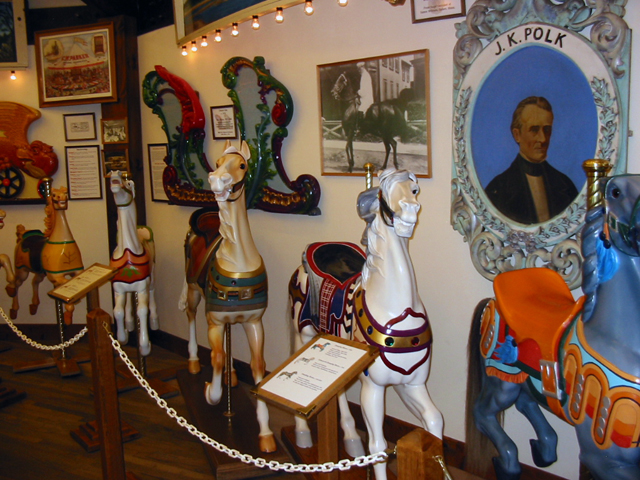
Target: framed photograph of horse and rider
column 376, row 110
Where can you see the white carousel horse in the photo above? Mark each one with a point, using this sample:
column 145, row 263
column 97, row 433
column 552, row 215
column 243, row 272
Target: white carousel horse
column 134, row 257
column 53, row 254
column 391, row 317
column 5, row 261
column 236, row 285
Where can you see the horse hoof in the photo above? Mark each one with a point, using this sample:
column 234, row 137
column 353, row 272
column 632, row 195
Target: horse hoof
column 234, row 379
column 501, row 473
column 267, row 443
column 207, row 390
column 303, row 439
column 13, row 314
column 354, row 447
column 154, row 324
column 145, row 349
column 68, row 318
column 33, row 309
column 123, row 337
column 194, row 367
column 538, row 457
column 130, row 325
column 11, row 291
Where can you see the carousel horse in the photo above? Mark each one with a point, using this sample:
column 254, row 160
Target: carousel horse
column 236, row 286
column 375, row 301
column 53, row 254
column 534, row 345
column 382, row 119
column 134, row 258
column 5, row 261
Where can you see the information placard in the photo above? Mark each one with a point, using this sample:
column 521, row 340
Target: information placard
column 315, row 373
column 76, row 288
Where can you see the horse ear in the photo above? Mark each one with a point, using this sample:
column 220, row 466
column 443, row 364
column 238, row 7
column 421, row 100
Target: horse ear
column 245, row 151
column 227, row 145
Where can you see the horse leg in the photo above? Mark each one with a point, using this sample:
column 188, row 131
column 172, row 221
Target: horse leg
column 35, row 298
column 5, row 261
column 21, row 275
column 189, row 301
column 372, row 401
column 387, row 152
column 352, row 441
column 215, row 333
column 118, row 314
column 496, row 396
column 129, row 318
column 255, row 335
column 349, row 150
column 394, row 145
column 153, row 309
column 144, row 344
column 543, row 449
column 418, row 401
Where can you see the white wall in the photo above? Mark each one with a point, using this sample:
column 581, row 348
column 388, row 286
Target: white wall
column 449, row 285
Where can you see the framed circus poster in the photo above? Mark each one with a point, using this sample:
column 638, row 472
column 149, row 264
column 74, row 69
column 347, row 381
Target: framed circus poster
column 76, row 65
column 532, row 102
column 13, row 35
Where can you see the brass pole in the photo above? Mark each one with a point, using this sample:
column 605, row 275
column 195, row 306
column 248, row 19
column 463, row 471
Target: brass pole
column 595, row 170
column 368, row 168
column 228, row 359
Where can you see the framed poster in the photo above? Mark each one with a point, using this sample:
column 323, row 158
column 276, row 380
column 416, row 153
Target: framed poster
column 79, row 126
column 76, row 65
column 376, row 110
column 428, row 10
column 194, row 18
column 519, row 189
column 83, row 172
column 158, row 156
column 115, row 159
column 115, row 131
column 223, row 122
column 13, row 35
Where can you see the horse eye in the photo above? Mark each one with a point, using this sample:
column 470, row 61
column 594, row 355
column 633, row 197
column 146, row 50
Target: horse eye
column 243, row 166
column 615, row 192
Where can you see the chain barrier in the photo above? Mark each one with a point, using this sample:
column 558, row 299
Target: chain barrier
column 342, row 465
column 40, row 346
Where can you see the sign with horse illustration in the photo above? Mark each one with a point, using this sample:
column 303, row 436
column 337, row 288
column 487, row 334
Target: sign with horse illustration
column 376, row 110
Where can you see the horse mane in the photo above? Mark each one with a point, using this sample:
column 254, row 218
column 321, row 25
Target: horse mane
column 49, row 220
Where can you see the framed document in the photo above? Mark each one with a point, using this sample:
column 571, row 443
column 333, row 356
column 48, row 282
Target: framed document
column 223, row 122
column 83, row 172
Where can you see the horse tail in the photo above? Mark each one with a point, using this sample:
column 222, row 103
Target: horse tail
column 479, row 449
column 184, row 295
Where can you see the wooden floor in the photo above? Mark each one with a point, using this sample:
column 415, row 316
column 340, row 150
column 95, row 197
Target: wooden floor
column 35, row 439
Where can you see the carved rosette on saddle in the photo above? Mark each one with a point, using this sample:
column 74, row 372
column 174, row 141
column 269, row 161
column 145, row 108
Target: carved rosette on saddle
column 334, row 270
column 233, row 291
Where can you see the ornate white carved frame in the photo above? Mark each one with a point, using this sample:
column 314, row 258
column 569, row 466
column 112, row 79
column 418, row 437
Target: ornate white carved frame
column 497, row 243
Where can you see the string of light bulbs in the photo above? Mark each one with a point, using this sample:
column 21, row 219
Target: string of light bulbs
column 255, row 25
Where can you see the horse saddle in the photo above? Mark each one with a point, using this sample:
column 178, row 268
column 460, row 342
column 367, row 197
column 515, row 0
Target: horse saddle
column 535, row 307
column 31, row 246
column 200, row 247
column 333, row 269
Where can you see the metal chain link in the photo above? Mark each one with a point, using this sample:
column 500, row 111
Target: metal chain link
column 40, row 346
column 342, row 465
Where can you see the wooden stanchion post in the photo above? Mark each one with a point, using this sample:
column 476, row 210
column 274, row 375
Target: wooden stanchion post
column 105, row 394
column 420, row 455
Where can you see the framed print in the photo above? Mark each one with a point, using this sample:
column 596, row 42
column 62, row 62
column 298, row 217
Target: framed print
column 428, row 10
column 199, row 17
column 76, row 65
column 79, row 126
column 519, row 189
column 376, row 110
column 223, row 122
column 13, row 35
column 83, row 172
column 115, row 131
column 158, row 157
column 115, row 159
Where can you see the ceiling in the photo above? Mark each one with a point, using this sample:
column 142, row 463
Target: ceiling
column 52, row 14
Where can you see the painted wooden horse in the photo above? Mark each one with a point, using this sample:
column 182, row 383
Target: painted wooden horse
column 5, row 261
column 236, row 286
column 375, row 301
column 53, row 254
column 134, row 258
column 534, row 345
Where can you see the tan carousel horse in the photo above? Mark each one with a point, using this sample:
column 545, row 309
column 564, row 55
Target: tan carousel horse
column 5, row 261
column 236, row 286
column 53, row 254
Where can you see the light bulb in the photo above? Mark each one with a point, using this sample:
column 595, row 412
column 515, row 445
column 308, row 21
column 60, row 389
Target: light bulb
column 218, row 37
column 234, row 30
column 194, row 46
column 184, row 51
column 308, row 7
column 343, row 3
column 279, row 15
column 13, row 75
column 256, row 23
column 204, row 42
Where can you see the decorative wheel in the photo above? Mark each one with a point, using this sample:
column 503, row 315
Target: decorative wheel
column 11, row 182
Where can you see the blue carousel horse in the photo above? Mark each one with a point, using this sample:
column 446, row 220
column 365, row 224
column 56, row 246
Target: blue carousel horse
column 533, row 345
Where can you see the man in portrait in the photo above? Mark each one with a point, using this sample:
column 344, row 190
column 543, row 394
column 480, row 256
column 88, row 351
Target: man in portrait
column 531, row 190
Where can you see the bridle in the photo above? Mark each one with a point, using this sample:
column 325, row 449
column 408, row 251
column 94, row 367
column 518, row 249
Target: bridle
column 239, row 185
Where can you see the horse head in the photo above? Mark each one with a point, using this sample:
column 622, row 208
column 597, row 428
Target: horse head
column 123, row 189
column 230, row 173
column 341, row 82
column 397, row 198
column 59, row 198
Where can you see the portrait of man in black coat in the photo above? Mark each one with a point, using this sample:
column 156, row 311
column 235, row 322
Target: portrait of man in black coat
column 531, row 190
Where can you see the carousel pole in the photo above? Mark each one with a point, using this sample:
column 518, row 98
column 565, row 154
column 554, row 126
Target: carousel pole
column 228, row 360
